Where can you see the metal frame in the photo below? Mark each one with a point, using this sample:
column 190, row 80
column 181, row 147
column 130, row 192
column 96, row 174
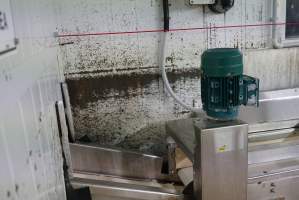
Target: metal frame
column 62, row 125
column 118, row 191
column 279, row 31
column 68, row 111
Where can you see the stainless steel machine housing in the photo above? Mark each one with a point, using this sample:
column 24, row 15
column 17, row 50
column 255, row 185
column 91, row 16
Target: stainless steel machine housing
column 270, row 168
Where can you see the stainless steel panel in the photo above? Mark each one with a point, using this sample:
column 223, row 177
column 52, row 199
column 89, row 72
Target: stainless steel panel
column 219, row 152
column 285, row 188
column 223, row 160
column 284, row 145
column 280, row 105
column 121, row 191
column 273, row 145
column 144, row 182
column 271, row 169
column 274, row 165
column 278, row 110
column 273, row 154
column 271, row 135
column 92, row 159
column 267, row 126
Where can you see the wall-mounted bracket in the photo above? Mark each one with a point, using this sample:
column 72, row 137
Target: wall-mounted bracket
column 201, row 2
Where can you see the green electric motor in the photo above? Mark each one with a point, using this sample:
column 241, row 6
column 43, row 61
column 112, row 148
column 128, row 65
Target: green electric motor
column 223, row 86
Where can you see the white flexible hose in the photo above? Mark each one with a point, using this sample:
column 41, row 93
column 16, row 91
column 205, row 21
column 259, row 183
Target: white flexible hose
column 165, row 79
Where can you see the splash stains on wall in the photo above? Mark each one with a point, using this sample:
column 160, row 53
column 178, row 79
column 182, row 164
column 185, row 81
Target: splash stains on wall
column 129, row 111
column 117, row 96
column 117, row 54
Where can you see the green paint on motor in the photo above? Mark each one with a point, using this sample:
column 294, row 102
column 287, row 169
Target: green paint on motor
column 223, row 86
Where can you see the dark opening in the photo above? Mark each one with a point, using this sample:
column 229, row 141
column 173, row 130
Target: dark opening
column 292, row 19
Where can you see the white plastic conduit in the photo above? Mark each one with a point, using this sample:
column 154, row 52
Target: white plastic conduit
column 165, row 79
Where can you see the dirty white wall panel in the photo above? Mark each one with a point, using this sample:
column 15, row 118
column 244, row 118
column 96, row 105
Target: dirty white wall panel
column 139, row 53
column 279, row 70
column 116, row 54
column 258, row 12
column 117, row 95
column 109, row 53
column 234, row 37
column 131, row 112
column 30, row 153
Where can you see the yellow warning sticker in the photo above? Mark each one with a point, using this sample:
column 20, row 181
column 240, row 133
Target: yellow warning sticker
column 222, row 148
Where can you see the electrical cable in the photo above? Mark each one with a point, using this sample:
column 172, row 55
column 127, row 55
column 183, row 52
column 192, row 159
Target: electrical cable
column 165, row 79
column 163, row 61
column 166, row 15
